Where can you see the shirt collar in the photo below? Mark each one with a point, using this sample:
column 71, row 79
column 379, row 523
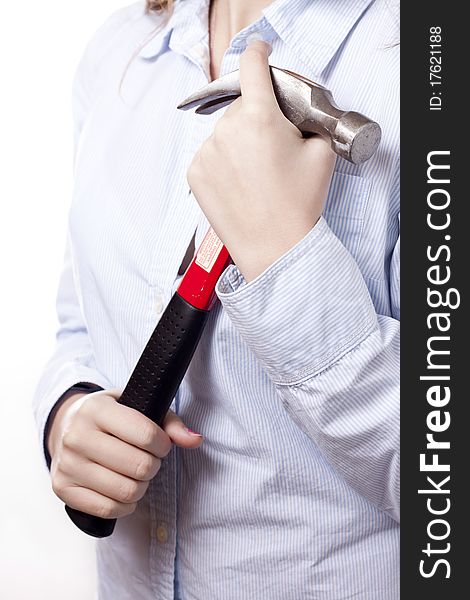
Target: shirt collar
column 187, row 25
column 303, row 25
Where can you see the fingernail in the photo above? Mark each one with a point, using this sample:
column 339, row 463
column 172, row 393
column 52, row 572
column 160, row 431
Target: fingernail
column 258, row 37
column 254, row 37
column 191, row 432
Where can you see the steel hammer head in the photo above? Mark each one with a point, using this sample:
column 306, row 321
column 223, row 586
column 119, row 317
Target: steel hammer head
column 308, row 105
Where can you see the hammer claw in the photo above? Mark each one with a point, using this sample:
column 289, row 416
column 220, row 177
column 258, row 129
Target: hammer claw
column 220, row 89
column 209, row 107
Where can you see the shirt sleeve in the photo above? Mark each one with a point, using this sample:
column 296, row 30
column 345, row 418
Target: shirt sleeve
column 72, row 361
column 311, row 322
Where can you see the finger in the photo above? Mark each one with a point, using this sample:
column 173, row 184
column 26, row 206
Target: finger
column 233, row 107
column 319, row 143
column 132, row 427
column 92, row 503
column 120, row 457
column 319, row 148
column 108, row 483
column 225, row 127
column 255, row 76
column 179, row 433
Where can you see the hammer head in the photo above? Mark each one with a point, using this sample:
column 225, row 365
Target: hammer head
column 355, row 138
column 308, row 105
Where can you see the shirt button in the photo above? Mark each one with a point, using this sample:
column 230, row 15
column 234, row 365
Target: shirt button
column 159, row 304
column 162, row 534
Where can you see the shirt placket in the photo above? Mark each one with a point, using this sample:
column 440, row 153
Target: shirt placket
column 163, row 506
column 163, row 530
column 201, row 128
column 163, row 488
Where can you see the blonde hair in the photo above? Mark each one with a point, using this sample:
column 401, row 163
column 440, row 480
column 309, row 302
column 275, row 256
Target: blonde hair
column 158, row 5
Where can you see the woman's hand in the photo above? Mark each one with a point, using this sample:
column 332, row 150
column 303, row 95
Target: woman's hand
column 261, row 185
column 104, row 454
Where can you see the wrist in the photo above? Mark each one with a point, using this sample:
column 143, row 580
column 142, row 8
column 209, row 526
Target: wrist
column 254, row 259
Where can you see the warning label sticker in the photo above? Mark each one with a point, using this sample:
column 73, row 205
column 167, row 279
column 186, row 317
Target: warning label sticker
column 209, row 251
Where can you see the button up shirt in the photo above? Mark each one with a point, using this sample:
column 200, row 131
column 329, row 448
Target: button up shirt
column 293, row 494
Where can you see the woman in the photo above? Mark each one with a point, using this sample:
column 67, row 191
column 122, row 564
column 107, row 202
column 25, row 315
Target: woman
column 291, row 491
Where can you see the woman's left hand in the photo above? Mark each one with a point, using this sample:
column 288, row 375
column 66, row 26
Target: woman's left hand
column 261, row 185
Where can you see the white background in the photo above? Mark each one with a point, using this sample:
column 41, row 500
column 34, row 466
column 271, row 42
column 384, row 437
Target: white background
column 42, row 555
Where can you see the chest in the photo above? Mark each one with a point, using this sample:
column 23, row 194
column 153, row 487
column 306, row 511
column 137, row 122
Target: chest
column 133, row 216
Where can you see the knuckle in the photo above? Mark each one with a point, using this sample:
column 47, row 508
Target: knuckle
column 144, row 467
column 147, row 435
column 194, row 171
column 191, row 176
column 94, row 404
column 106, row 509
column 70, row 439
column 86, row 407
column 58, row 486
column 128, row 492
column 63, row 462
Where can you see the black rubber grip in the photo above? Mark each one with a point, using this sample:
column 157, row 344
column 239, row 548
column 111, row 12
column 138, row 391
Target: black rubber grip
column 155, row 381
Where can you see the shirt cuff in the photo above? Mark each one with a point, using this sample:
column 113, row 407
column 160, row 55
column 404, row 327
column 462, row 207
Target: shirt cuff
column 305, row 311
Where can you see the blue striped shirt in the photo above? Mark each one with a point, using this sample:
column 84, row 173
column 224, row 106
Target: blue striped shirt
column 294, row 492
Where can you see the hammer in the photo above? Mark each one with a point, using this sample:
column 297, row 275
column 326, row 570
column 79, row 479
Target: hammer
column 308, row 105
column 166, row 357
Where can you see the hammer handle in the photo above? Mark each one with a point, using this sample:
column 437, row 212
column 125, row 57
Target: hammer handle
column 166, row 357
column 155, row 381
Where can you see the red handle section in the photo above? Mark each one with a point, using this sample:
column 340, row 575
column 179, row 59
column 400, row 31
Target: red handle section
column 198, row 284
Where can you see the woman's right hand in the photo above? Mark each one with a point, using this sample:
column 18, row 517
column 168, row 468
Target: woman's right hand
column 104, row 454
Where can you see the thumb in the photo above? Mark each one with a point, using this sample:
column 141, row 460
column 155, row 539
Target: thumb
column 179, row 433
column 255, row 77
